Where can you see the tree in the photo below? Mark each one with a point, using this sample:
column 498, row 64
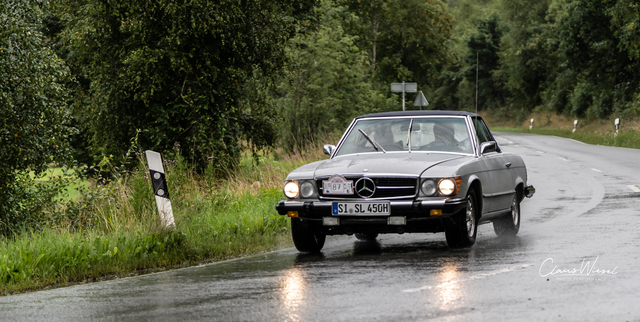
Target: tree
column 406, row 40
column 524, row 56
column 178, row 71
column 326, row 82
column 33, row 110
column 594, row 66
column 483, row 59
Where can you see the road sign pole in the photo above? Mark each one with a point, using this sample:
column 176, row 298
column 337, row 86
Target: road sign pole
column 404, row 88
column 403, row 95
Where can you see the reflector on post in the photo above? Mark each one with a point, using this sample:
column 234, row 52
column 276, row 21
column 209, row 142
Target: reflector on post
column 156, row 173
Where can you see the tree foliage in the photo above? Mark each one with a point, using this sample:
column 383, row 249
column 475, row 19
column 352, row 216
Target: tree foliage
column 33, row 113
column 577, row 57
column 326, row 82
column 193, row 73
column 406, row 40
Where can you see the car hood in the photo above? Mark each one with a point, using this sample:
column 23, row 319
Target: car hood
column 395, row 164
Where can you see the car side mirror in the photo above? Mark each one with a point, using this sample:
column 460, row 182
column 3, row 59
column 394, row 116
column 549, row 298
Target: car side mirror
column 489, row 146
column 328, row 149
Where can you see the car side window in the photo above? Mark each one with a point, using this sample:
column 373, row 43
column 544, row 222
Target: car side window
column 481, row 130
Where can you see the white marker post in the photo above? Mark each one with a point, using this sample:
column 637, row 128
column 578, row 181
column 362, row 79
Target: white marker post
column 531, row 125
column 617, row 123
column 575, row 125
column 156, row 171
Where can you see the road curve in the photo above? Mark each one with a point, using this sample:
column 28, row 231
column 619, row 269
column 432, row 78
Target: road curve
column 576, row 258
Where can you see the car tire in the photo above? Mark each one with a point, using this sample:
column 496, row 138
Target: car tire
column 509, row 225
column 305, row 237
column 463, row 231
column 366, row 236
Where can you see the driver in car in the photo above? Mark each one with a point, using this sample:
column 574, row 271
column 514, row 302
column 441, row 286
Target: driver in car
column 445, row 136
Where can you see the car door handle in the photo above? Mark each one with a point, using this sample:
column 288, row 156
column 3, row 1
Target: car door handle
column 508, row 164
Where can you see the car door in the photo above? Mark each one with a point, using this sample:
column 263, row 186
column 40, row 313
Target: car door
column 497, row 179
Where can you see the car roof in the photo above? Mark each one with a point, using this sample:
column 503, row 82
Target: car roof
column 419, row 113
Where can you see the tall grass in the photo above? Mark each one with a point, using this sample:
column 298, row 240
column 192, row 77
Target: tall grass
column 114, row 229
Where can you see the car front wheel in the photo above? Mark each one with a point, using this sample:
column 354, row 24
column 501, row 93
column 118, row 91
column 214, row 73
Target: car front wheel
column 305, row 237
column 509, row 225
column 463, row 231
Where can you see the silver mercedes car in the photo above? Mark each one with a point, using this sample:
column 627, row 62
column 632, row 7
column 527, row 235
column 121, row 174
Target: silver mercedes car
column 407, row 172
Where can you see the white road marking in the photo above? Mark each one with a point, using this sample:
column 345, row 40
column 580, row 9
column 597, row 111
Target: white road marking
column 471, row 278
column 634, row 188
column 597, row 170
column 541, row 152
column 563, row 159
column 577, row 141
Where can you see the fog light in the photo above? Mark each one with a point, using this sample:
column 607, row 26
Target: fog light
column 292, row 214
column 396, row 221
column 436, row 212
column 330, row 221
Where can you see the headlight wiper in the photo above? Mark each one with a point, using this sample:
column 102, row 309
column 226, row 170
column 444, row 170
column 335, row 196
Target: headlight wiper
column 375, row 144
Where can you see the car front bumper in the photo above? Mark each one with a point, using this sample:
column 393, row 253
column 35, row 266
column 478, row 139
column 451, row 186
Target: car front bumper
column 405, row 216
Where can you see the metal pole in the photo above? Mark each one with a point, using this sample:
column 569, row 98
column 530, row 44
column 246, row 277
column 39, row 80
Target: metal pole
column 477, row 63
column 403, row 95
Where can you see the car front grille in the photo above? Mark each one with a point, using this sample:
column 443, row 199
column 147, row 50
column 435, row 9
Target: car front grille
column 386, row 188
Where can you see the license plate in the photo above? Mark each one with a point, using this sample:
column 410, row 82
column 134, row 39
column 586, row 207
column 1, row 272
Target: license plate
column 371, row 208
column 337, row 185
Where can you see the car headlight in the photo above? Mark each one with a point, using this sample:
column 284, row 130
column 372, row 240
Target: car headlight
column 291, row 189
column 307, row 190
column 428, row 187
column 447, row 187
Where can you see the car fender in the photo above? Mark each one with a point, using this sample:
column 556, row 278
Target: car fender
column 473, row 181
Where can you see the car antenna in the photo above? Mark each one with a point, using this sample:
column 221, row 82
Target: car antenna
column 477, row 63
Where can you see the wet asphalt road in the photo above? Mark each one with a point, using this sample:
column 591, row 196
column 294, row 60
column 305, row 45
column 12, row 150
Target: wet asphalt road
column 576, row 258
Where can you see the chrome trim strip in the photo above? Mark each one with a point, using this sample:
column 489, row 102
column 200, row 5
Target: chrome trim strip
column 387, row 175
column 395, row 187
column 359, row 198
column 499, row 194
column 433, row 203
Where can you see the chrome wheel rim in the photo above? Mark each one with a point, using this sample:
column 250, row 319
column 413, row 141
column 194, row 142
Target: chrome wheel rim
column 470, row 218
column 515, row 213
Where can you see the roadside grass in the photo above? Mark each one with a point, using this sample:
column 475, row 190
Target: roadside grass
column 114, row 230
column 625, row 139
column 591, row 131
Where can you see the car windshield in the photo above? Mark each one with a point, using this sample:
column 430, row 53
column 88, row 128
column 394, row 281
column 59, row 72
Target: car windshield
column 427, row 134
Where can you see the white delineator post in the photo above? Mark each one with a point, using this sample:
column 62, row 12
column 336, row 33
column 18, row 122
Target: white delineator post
column 531, row 125
column 156, row 171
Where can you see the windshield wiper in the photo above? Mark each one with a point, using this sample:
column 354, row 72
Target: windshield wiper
column 375, row 144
